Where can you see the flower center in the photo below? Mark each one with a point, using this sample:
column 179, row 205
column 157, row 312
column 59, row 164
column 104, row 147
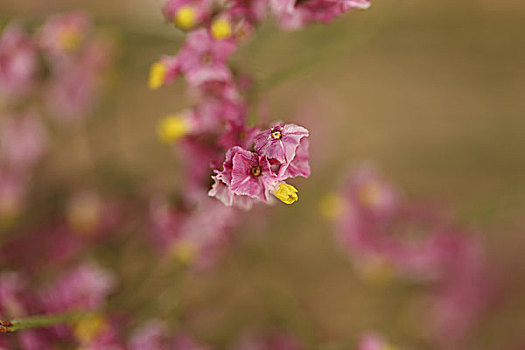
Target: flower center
column 276, row 134
column 256, row 171
column 207, row 58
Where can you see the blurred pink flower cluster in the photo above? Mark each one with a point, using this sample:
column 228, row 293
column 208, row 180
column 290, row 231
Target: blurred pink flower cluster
column 387, row 235
column 56, row 70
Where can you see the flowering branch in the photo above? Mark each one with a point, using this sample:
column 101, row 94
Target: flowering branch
column 41, row 321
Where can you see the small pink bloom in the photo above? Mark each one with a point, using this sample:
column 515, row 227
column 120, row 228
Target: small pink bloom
column 85, row 287
column 200, row 12
column 62, row 37
column 280, row 142
column 203, row 59
column 18, row 63
column 251, row 175
column 294, row 14
column 372, row 341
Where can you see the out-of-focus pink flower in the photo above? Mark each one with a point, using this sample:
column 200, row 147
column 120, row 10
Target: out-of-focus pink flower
column 23, row 140
column 63, row 36
column 194, row 233
column 187, row 14
column 154, row 335
column 18, row 63
column 374, row 341
column 85, row 287
column 203, row 59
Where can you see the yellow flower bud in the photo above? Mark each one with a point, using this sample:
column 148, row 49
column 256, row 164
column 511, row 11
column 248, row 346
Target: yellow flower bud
column 185, row 18
column 286, row 193
column 157, row 74
column 221, row 29
column 172, row 128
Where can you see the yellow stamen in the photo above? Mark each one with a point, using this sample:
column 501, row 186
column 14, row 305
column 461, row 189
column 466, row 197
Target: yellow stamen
column 157, row 74
column 70, row 39
column 185, row 18
column 332, row 206
column 286, row 193
column 221, row 29
column 89, row 328
column 172, row 128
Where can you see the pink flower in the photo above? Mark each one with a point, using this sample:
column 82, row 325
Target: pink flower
column 251, row 175
column 85, row 287
column 294, row 14
column 373, row 341
column 195, row 232
column 18, row 63
column 154, row 335
column 62, row 37
column 187, row 14
column 203, row 59
column 280, row 142
column 23, row 140
column 300, row 165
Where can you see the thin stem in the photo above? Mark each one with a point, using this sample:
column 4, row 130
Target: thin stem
column 41, row 321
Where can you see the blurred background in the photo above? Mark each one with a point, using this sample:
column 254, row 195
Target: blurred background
column 431, row 92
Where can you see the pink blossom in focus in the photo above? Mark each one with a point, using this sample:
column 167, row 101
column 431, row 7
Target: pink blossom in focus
column 280, row 142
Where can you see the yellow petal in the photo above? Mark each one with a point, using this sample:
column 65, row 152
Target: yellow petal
column 221, row 29
column 185, row 18
column 157, row 74
column 286, row 193
column 172, row 128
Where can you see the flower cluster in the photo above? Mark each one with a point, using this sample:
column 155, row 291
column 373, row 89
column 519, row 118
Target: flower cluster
column 58, row 70
column 215, row 137
column 388, row 235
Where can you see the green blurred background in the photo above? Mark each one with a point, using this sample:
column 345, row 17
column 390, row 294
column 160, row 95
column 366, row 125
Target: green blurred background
column 432, row 92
